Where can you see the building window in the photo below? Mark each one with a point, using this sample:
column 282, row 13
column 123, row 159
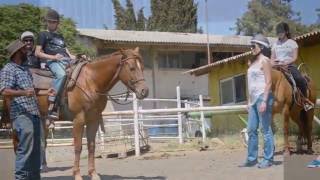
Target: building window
column 181, row 59
column 233, row 90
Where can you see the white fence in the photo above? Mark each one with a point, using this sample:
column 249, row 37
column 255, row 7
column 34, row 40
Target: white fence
column 140, row 116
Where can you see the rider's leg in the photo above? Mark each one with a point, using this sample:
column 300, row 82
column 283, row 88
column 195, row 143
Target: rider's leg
column 58, row 69
column 299, row 79
column 303, row 85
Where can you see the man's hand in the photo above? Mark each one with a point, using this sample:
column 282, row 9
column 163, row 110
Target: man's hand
column 263, row 107
column 29, row 92
column 51, row 92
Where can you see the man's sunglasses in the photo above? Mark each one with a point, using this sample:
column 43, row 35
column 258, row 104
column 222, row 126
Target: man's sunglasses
column 28, row 40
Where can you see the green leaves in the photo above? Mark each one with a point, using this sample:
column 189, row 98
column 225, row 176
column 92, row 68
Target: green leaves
column 263, row 15
column 15, row 19
column 173, row 16
column 166, row 15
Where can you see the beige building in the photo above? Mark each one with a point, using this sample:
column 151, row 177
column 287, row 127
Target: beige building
column 167, row 55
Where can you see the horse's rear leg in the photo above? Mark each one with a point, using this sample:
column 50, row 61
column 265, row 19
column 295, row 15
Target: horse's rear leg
column 92, row 127
column 295, row 116
column 310, row 115
column 78, row 126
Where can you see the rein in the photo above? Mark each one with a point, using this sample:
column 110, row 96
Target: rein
column 116, row 75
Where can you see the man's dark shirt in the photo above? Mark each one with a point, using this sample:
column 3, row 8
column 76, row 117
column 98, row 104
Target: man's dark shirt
column 32, row 61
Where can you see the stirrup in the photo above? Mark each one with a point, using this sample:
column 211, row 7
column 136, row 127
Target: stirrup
column 50, row 123
column 308, row 106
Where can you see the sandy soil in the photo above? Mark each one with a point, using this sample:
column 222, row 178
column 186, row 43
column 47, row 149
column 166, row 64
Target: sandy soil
column 173, row 162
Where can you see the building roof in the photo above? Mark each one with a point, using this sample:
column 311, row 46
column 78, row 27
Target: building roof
column 305, row 39
column 170, row 38
column 207, row 68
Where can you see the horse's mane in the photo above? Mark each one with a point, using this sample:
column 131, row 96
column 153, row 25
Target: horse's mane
column 119, row 52
column 106, row 56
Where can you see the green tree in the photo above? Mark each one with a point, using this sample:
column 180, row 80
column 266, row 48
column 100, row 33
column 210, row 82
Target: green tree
column 130, row 16
column 120, row 15
column 15, row 19
column 173, row 16
column 263, row 15
column 166, row 15
column 141, row 21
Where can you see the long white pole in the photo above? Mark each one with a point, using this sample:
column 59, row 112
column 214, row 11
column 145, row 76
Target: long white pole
column 204, row 136
column 213, row 109
column 136, row 125
column 207, row 29
column 179, row 115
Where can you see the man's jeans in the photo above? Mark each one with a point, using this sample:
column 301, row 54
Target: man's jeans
column 255, row 117
column 27, row 163
column 58, row 68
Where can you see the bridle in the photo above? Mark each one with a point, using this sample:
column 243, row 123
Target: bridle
column 131, row 82
column 122, row 62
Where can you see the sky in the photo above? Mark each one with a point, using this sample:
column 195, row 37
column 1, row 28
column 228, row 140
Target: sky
column 222, row 13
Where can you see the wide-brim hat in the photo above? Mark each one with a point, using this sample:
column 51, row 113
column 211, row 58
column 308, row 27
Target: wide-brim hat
column 14, row 47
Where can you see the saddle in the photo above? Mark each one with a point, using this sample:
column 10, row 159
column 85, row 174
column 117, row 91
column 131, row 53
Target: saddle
column 42, row 78
column 297, row 94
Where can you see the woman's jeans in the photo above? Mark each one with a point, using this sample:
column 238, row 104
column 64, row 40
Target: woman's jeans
column 58, row 68
column 255, row 118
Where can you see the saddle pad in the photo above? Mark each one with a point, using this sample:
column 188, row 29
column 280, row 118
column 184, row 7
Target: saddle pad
column 41, row 82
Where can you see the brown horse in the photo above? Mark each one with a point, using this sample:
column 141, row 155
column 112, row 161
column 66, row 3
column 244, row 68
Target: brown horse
column 88, row 98
column 284, row 103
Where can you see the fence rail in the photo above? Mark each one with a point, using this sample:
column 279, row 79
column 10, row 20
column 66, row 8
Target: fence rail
column 140, row 116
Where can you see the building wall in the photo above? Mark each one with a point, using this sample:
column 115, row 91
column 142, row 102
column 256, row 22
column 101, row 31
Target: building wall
column 310, row 55
column 222, row 72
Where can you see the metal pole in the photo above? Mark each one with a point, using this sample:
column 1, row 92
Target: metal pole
column 136, row 125
column 207, row 29
column 204, row 136
column 179, row 116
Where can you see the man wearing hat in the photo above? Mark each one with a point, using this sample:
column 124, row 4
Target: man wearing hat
column 52, row 48
column 32, row 61
column 16, row 84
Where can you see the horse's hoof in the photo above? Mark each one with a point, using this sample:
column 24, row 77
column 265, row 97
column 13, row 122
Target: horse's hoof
column 310, row 151
column 94, row 176
column 44, row 168
column 286, row 153
column 77, row 177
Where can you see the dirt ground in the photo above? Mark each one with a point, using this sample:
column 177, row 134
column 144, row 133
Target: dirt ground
column 173, row 162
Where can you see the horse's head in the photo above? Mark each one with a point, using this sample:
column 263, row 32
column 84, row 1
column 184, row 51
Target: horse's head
column 131, row 73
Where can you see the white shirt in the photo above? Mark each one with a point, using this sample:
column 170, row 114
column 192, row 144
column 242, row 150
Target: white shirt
column 256, row 81
column 284, row 50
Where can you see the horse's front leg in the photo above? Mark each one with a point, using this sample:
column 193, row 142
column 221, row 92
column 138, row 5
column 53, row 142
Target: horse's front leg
column 92, row 127
column 78, row 126
column 286, row 130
